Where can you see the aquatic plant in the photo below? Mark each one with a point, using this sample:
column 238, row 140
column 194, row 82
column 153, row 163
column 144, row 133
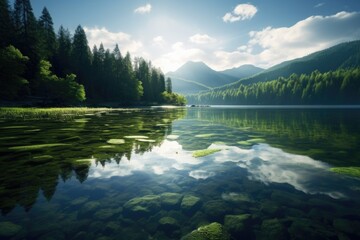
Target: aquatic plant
column 204, row 152
column 350, row 171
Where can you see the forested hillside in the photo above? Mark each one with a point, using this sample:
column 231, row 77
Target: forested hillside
column 333, row 87
column 61, row 69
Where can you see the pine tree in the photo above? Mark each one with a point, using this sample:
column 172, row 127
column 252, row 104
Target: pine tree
column 168, row 85
column 81, row 56
column 62, row 57
column 6, row 26
column 47, row 35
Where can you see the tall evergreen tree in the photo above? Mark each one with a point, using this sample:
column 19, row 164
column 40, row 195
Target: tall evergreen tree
column 26, row 35
column 47, row 35
column 62, row 57
column 168, row 86
column 6, row 24
column 81, row 56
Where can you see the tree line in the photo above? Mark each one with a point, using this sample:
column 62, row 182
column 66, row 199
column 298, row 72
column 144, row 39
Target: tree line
column 341, row 86
column 37, row 62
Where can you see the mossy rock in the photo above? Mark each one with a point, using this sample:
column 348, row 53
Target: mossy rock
column 142, row 206
column 190, row 204
column 9, row 229
column 349, row 171
column 168, row 224
column 272, row 229
column 216, row 209
column 204, row 152
column 104, row 214
column 237, row 225
column 170, row 200
column 347, row 226
column 213, row 231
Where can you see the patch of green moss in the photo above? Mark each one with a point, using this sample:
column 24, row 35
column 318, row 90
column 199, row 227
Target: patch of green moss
column 350, row 171
column 213, row 231
column 204, row 152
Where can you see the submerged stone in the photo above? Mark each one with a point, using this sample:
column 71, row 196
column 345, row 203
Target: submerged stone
column 216, row 209
column 213, row 231
column 170, row 200
column 236, row 225
column 104, row 214
column 272, row 229
column 168, row 224
column 9, row 229
column 141, row 206
column 189, row 203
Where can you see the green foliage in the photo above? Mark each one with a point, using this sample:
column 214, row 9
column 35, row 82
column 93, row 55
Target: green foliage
column 173, row 99
column 12, row 66
column 335, row 87
column 61, row 90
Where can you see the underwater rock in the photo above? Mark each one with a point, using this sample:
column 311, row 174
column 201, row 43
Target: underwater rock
column 347, row 226
column 216, row 209
column 236, row 225
column 269, row 208
column 309, row 229
column 168, row 224
column 89, row 207
column 272, row 229
column 142, row 206
column 213, row 231
column 236, row 197
column 170, row 200
column 104, row 214
column 9, row 229
column 190, row 204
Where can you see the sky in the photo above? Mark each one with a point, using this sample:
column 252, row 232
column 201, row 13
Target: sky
column 221, row 33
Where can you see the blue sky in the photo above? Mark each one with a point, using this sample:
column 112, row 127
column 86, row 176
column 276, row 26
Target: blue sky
column 223, row 34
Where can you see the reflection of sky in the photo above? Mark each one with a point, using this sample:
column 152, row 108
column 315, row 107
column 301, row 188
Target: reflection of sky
column 262, row 162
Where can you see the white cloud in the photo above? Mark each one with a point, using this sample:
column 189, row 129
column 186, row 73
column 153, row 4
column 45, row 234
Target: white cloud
column 275, row 45
column 159, row 41
column 178, row 55
column 319, row 5
column 143, row 9
column 240, row 12
column 202, row 39
column 97, row 35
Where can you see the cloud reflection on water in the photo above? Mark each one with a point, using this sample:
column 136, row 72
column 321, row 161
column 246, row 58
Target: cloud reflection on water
column 262, row 162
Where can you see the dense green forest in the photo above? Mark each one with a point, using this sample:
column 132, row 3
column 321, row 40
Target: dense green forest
column 334, row 87
column 61, row 69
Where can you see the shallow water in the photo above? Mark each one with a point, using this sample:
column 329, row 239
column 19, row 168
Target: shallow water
column 131, row 174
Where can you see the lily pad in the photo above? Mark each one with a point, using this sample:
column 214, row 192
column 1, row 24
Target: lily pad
column 350, row 171
column 205, row 135
column 136, row 137
column 145, row 140
column 172, row 137
column 204, row 152
column 116, row 141
column 37, row 146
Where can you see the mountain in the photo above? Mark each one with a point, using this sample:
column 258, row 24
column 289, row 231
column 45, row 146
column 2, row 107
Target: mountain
column 343, row 55
column 243, row 71
column 193, row 77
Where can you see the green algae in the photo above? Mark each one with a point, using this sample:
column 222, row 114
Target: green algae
column 204, row 152
column 350, row 171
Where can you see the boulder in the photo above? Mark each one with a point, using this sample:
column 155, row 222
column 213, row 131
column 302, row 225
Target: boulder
column 170, row 200
column 213, row 231
column 190, row 204
column 142, row 206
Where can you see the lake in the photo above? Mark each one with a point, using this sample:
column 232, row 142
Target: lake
column 161, row 173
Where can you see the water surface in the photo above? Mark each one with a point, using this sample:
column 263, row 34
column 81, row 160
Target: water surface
column 131, row 174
